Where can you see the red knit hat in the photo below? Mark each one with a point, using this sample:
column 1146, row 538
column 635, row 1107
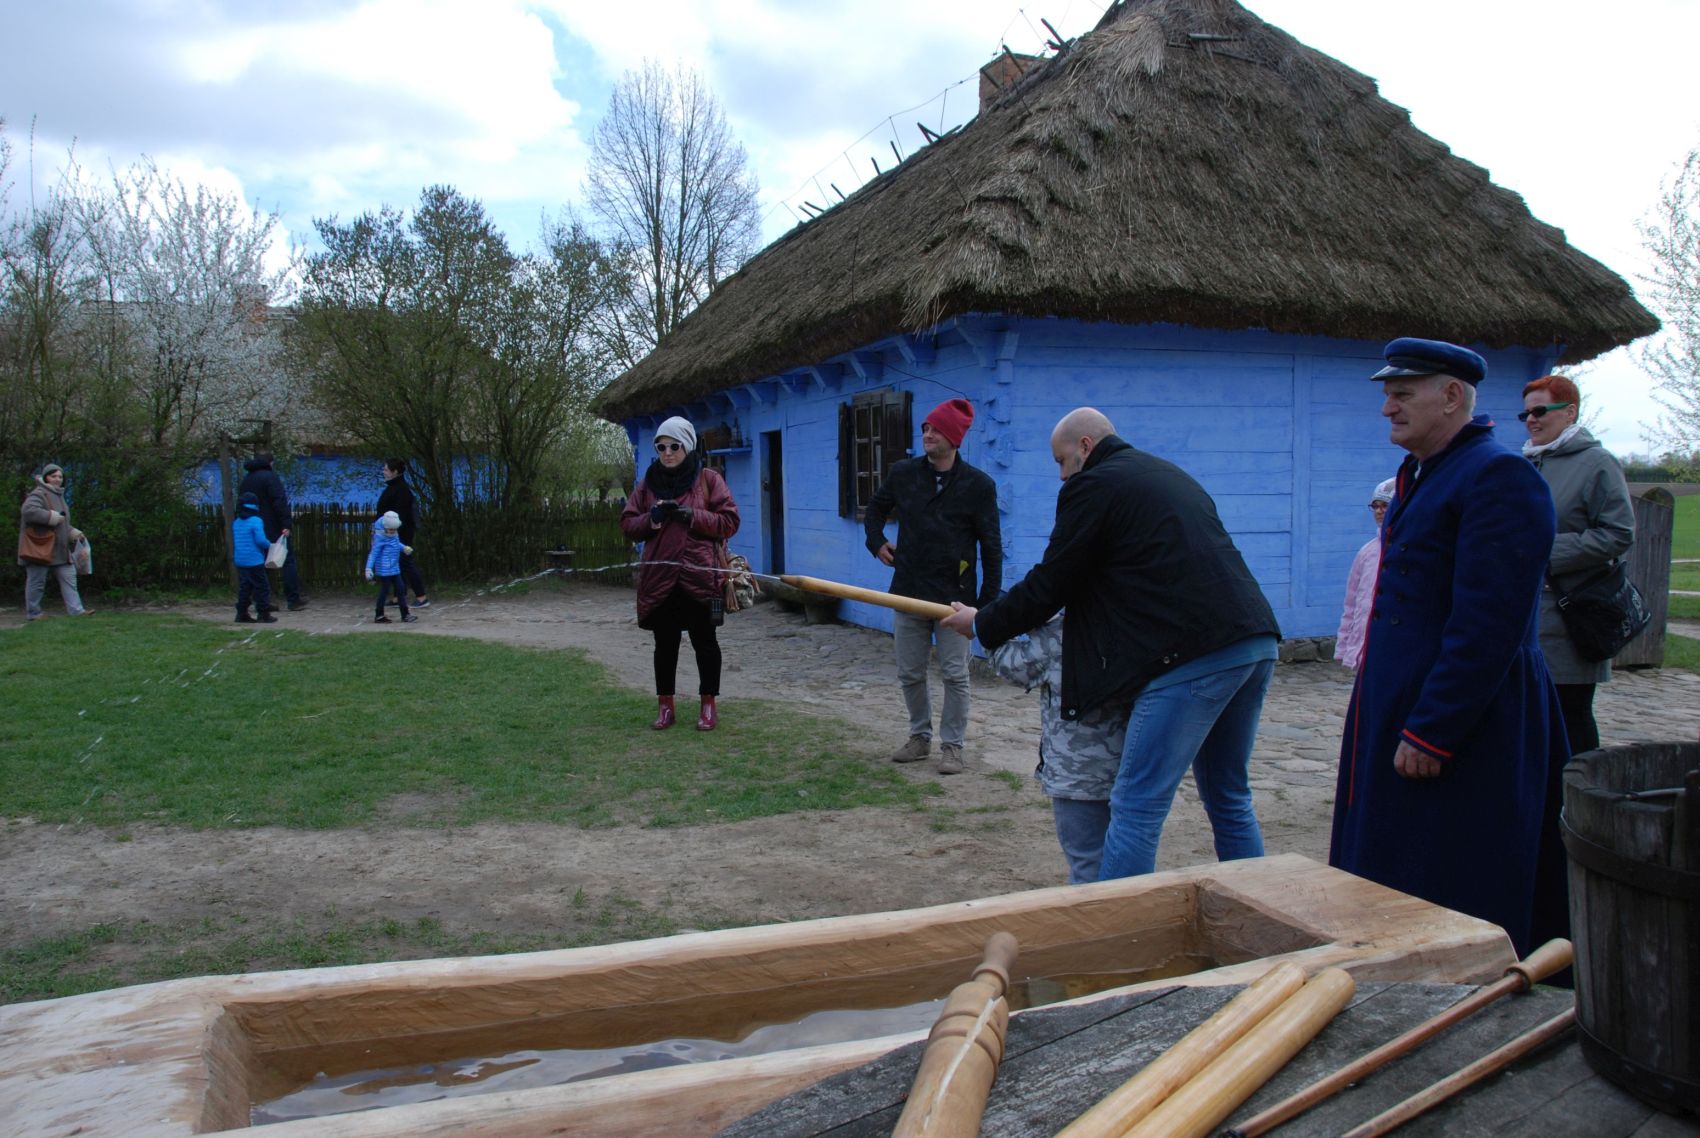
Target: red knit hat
column 952, row 418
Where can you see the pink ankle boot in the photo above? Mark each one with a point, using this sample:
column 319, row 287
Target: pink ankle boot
column 663, row 714
column 709, row 717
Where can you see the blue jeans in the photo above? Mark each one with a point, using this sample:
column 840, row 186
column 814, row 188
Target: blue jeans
column 1081, row 823
column 1208, row 724
column 912, row 639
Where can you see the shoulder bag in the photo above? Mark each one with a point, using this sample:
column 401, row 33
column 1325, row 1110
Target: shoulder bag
column 1603, row 613
column 35, row 545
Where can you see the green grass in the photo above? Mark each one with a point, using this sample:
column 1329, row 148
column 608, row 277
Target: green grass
column 1685, row 577
column 1682, row 652
column 131, row 718
column 143, row 952
column 1685, row 608
column 1685, row 532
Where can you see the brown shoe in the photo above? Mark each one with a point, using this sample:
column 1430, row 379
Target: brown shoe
column 914, row 750
column 950, row 759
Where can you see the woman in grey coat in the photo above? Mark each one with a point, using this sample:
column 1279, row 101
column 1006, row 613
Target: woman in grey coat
column 45, row 506
column 1596, row 526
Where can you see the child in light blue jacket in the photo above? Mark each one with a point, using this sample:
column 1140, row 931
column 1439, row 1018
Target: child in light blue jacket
column 248, row 534
column 384, row 563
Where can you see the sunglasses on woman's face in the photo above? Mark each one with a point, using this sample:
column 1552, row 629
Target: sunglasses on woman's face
column 668, row 448
column 1539, row 411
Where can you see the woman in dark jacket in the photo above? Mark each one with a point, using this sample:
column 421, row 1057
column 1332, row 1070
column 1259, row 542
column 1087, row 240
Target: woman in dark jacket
column 44, row 506
column 681, row 512
column 398, row 496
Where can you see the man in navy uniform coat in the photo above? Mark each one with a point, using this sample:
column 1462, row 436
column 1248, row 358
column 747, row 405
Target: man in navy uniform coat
column 1454, row 719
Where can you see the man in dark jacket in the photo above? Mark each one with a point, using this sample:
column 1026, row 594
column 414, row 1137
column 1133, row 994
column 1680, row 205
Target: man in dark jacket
column 1454, row 720
column 1161, row 612
column 945, row 510
column 262, row 482
column 398, row 496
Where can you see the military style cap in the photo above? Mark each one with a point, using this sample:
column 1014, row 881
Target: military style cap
column 1411, row 356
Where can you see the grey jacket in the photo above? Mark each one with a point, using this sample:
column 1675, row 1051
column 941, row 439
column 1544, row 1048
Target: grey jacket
column 1596, row 525
column 1078, row 758
column 39, row 504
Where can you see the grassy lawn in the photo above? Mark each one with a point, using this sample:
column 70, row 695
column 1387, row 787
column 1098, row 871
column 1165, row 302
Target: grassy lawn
column 165, row 720
column 1685, row 531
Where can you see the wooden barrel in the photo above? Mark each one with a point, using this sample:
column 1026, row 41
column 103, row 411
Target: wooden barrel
column 1631, row 826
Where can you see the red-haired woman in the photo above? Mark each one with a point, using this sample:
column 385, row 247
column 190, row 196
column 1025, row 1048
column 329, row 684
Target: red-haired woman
column 1596, row 525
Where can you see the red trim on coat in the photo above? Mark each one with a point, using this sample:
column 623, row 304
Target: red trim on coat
column 1437, row 752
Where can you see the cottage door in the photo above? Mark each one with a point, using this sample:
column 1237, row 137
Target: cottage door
column 773, row 499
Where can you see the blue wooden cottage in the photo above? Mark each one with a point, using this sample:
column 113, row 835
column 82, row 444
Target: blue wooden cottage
column 1186, row 219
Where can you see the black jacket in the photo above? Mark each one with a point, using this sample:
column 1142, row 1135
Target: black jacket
column 398, row 496
column 262, row 481
column 938, row 530
column 1149, row 576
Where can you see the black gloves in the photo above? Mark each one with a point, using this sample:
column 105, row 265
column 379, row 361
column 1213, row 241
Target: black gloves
column 663, row 512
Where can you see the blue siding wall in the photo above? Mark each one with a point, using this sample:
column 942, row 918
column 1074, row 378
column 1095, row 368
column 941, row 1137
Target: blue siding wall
column 1285, row 432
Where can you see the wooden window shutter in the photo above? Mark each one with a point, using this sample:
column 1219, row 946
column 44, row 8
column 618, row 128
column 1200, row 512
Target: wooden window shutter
column 846, row 464
column 897, row 432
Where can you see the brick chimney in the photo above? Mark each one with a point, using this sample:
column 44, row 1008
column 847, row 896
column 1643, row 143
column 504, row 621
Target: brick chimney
column 1001, row 74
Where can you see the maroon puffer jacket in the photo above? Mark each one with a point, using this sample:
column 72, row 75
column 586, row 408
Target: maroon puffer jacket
column 714, row 518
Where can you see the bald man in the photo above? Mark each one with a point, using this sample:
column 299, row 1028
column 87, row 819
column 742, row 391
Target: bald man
column 1160, row 613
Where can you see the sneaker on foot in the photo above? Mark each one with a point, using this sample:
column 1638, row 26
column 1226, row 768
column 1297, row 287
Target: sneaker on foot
column 297, row 606
column 409, row 619
column 381, row 619
column 914, row 750
column 422, row 602
column 266, row 618
column 950, row 759
column 241, row 618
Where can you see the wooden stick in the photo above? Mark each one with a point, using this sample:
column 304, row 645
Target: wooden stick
column 1194, row 1110
column 1137, row 1097
column 1551, row 957
column 963, row 1051
column 932, row 610
column 1493, row 1061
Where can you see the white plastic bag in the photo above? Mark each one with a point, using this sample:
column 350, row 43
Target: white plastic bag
column 82, row 556
column 278, row 553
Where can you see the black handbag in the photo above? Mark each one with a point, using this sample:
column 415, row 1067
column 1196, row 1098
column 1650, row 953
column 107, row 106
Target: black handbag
column 1603, row 613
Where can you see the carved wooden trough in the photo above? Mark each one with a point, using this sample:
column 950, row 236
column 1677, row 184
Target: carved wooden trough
column 198, row 1056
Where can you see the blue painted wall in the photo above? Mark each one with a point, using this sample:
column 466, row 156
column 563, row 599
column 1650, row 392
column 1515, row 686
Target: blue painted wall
column 1285, row 433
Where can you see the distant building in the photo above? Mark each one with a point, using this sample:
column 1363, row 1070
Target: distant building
column 1186, row 218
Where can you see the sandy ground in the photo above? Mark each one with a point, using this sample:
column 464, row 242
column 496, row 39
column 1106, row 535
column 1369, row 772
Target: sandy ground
column 987, row 837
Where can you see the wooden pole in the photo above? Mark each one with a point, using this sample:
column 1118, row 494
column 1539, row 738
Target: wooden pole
column 1195, row 1109
column 963, row 1051
column 227, row 491
column 1554, row 956
column 1495, row 1060
column 932, row 610
column 1137, row 1097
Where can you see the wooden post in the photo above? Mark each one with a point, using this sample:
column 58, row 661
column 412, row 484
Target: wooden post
column 1648, row 564
column 228, row 490
column 963, row 1051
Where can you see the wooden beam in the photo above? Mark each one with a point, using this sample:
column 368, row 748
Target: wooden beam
column 869, row 365
column 917, row 351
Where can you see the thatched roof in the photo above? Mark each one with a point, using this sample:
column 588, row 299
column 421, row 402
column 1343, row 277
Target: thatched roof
column 1184, row 162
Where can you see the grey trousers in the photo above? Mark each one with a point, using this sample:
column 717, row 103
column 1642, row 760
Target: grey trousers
column 35, row 587
column 912, row 637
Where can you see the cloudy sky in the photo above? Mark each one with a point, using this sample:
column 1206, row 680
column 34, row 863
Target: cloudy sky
column 321, row 107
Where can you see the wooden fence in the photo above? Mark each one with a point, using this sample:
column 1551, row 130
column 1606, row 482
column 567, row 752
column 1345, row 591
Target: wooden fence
column 482, row 543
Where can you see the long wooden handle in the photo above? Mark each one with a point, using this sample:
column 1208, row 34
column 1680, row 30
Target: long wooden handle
column 1493, row 1061
column 932, row 610
column 1137, row 1097
column 1211, row 1095
column 963, row 1051
column 1520, row 977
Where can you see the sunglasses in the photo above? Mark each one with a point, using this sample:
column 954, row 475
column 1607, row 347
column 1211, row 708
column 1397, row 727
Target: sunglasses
column 668, row 448
column 1539, row 412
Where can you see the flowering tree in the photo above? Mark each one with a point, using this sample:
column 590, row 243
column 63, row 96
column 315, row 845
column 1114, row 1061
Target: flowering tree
column 1672, row 236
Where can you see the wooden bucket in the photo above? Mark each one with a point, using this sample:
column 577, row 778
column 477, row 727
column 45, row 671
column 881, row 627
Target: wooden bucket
column 1631, row 826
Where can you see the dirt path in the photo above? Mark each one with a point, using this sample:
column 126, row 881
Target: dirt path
column 987, row 837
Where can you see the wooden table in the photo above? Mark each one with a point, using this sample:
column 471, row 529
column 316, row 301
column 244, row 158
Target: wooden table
column 1059, row 1061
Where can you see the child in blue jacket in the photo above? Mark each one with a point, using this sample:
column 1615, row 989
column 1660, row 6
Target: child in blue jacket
column 249, row 534
column 384, row 563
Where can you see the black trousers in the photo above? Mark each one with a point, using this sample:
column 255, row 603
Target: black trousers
column 410, row 573
column 681, row 613
column 387, row 585
column 1552, row 870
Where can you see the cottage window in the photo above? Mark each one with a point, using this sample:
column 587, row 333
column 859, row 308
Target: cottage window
column 873, row 434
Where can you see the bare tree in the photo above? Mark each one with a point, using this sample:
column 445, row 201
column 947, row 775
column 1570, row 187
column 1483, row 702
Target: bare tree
column 1672, row 236
column 677, row 195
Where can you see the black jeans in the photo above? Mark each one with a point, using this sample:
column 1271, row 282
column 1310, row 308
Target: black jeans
column 385, row 584
column 253, row 586
column 679, row 613
column 410, row 573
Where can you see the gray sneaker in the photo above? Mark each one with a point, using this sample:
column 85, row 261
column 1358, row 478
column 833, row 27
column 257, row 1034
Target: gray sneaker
column 950, row 759
column 914, row 750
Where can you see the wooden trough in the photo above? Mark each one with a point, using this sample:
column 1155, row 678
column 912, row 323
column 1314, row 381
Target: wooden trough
column 195, row 1056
